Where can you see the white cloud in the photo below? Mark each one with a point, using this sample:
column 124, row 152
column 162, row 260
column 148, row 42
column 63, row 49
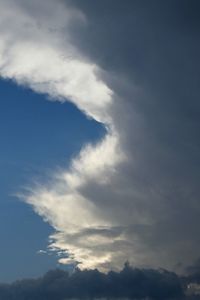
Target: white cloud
column 35, row 52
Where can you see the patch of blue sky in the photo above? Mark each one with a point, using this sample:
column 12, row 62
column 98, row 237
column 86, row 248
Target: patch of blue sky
column 37, row 136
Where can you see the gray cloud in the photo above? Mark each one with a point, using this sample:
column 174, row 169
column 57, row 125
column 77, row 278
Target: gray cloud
column 151, row 52
column 127, row 284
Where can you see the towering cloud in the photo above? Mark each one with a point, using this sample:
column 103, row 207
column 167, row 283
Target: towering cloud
column 133, row 67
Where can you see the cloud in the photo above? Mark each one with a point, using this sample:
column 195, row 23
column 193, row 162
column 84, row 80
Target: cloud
column 31, row 44
column 127, row 284
column 134, row 68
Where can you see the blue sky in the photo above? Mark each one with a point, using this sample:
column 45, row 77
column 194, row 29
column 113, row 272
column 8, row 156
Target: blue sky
column 37, row 136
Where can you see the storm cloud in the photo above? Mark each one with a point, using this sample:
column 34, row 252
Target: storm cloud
column 129, row 283
column 134, row 67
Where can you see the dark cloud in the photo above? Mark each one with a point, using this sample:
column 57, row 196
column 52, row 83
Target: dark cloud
column 129, row 283
column 193, row 272
column 151, row 51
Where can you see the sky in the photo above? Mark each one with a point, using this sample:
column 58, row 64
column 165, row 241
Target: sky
column 99, row 123
column 44, row 136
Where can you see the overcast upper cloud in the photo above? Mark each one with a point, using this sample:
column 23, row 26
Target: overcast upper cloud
column 134, row 66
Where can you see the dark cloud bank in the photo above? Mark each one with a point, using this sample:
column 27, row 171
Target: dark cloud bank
column 129, row 283
column 153, row 47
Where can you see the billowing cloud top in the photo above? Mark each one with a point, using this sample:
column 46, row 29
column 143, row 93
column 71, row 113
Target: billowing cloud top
column 127, row 284
column 133, row 67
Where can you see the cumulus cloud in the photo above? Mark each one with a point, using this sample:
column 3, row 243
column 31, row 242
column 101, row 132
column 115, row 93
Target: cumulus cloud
column 134, row 68
column 127, row 284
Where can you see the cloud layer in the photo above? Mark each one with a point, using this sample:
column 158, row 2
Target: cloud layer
column 127, row 284
column 134, row 68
